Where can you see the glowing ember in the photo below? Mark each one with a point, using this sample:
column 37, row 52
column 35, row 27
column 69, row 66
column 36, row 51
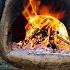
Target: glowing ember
column 44, row 32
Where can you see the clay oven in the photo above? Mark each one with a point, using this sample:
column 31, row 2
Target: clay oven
column 26, row 37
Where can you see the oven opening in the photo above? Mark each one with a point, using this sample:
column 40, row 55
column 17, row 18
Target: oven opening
column 40, row 28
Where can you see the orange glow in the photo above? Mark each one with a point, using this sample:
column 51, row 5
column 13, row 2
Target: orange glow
column 43, row 10
column 47, row 11
column 43, row 17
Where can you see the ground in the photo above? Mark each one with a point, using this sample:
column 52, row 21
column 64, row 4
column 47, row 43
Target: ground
column 5, row 66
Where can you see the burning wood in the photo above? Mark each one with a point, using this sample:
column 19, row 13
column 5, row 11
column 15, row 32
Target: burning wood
column 48, row 37
column 44, row 31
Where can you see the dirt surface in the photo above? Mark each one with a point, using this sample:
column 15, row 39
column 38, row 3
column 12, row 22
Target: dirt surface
column 6, row 66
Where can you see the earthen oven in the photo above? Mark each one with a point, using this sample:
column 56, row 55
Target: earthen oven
column 25, row 60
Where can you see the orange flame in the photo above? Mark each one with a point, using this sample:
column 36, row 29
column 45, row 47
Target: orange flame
column 47, row 11
column 36, row 16
column 33, row 9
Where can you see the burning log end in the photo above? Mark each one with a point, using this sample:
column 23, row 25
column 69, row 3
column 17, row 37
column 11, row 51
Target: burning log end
column 66, row 41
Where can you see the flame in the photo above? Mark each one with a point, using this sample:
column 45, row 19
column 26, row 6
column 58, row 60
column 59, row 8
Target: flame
column 20, row 44
column 32, row 11
column 39, row 21
column 33, row 8
column 39, row 17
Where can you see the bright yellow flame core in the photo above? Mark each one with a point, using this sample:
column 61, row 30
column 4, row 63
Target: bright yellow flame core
column 40, row 21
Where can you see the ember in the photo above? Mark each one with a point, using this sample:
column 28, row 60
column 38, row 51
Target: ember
column 44, row 32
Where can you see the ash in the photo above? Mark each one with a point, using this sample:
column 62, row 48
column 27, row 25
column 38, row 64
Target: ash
column 38, row 51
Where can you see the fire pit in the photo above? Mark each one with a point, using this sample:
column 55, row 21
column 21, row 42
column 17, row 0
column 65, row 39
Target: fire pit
column 44, row 39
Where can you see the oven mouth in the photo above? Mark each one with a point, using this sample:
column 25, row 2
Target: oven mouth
column 12, row 18
column 26, row 58
column 34, row 44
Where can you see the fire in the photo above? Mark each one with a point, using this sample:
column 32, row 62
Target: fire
column 39, row 21
column 20, row 44
column 33, row 9
column 43, row 21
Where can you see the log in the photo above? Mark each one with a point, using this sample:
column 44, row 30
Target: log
column 66, row 41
